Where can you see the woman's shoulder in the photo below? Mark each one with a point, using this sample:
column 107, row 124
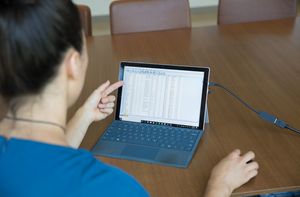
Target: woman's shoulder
column 67, row 166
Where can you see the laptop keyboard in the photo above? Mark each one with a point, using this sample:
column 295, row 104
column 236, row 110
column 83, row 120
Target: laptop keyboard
column 181, row 139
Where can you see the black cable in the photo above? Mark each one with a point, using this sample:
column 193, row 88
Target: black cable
column 292, row 129
column 262, row 114
column 234, row 95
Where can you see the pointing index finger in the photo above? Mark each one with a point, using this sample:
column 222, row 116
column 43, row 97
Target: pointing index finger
column 112, row 88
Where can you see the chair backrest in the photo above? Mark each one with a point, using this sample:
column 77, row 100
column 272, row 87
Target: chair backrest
column 240, row 11
column 86, row 19
column 128, row 16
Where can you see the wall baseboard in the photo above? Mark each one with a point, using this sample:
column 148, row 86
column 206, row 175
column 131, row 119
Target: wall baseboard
column 204, row 10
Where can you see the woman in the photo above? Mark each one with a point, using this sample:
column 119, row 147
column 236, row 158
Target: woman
column 43, row 60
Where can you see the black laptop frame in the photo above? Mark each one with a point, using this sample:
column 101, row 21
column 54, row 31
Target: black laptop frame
column 205, row 70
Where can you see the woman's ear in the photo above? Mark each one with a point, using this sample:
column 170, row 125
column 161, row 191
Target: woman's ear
column 73, row 64
column 75, row 69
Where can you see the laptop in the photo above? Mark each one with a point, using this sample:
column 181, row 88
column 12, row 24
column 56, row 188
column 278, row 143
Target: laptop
column 160, row 114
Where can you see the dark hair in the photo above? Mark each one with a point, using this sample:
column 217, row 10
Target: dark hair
column 34, row 36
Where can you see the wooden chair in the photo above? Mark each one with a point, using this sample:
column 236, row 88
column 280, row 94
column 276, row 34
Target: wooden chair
column 240, row 11
column 86, row 19
column 128, row 16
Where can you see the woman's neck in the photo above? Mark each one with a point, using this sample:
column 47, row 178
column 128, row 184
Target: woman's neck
column 48, row 108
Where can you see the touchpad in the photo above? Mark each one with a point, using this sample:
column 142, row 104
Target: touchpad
column 140, row 152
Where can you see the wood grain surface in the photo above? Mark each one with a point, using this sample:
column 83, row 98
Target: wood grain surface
column 258, row 61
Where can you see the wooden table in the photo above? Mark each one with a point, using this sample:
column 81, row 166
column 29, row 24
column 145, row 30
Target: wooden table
column 258, row 61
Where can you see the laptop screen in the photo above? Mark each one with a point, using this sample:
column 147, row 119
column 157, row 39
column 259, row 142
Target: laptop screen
column 163, row 94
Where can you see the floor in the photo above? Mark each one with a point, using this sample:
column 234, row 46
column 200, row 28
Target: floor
column 200, row 17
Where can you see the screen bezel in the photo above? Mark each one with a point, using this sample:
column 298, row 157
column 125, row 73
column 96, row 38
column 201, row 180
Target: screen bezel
column 205, row 70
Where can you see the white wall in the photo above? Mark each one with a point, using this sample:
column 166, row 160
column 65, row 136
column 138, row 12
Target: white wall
column 101, row 7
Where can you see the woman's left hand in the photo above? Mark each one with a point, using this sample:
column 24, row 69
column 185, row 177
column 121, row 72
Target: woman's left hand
column 100, row 103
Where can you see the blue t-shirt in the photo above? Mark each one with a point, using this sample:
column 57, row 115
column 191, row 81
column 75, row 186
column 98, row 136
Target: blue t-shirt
column 34, row 169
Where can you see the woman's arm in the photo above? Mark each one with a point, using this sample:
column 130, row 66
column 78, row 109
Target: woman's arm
column 97, row 107
column 230, row 173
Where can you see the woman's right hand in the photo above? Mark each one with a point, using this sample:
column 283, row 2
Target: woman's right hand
column 100, row 103
column 231, row 172
column 98, row 106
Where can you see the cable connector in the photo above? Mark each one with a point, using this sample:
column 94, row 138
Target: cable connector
column 211, row 84
column 272, row 119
